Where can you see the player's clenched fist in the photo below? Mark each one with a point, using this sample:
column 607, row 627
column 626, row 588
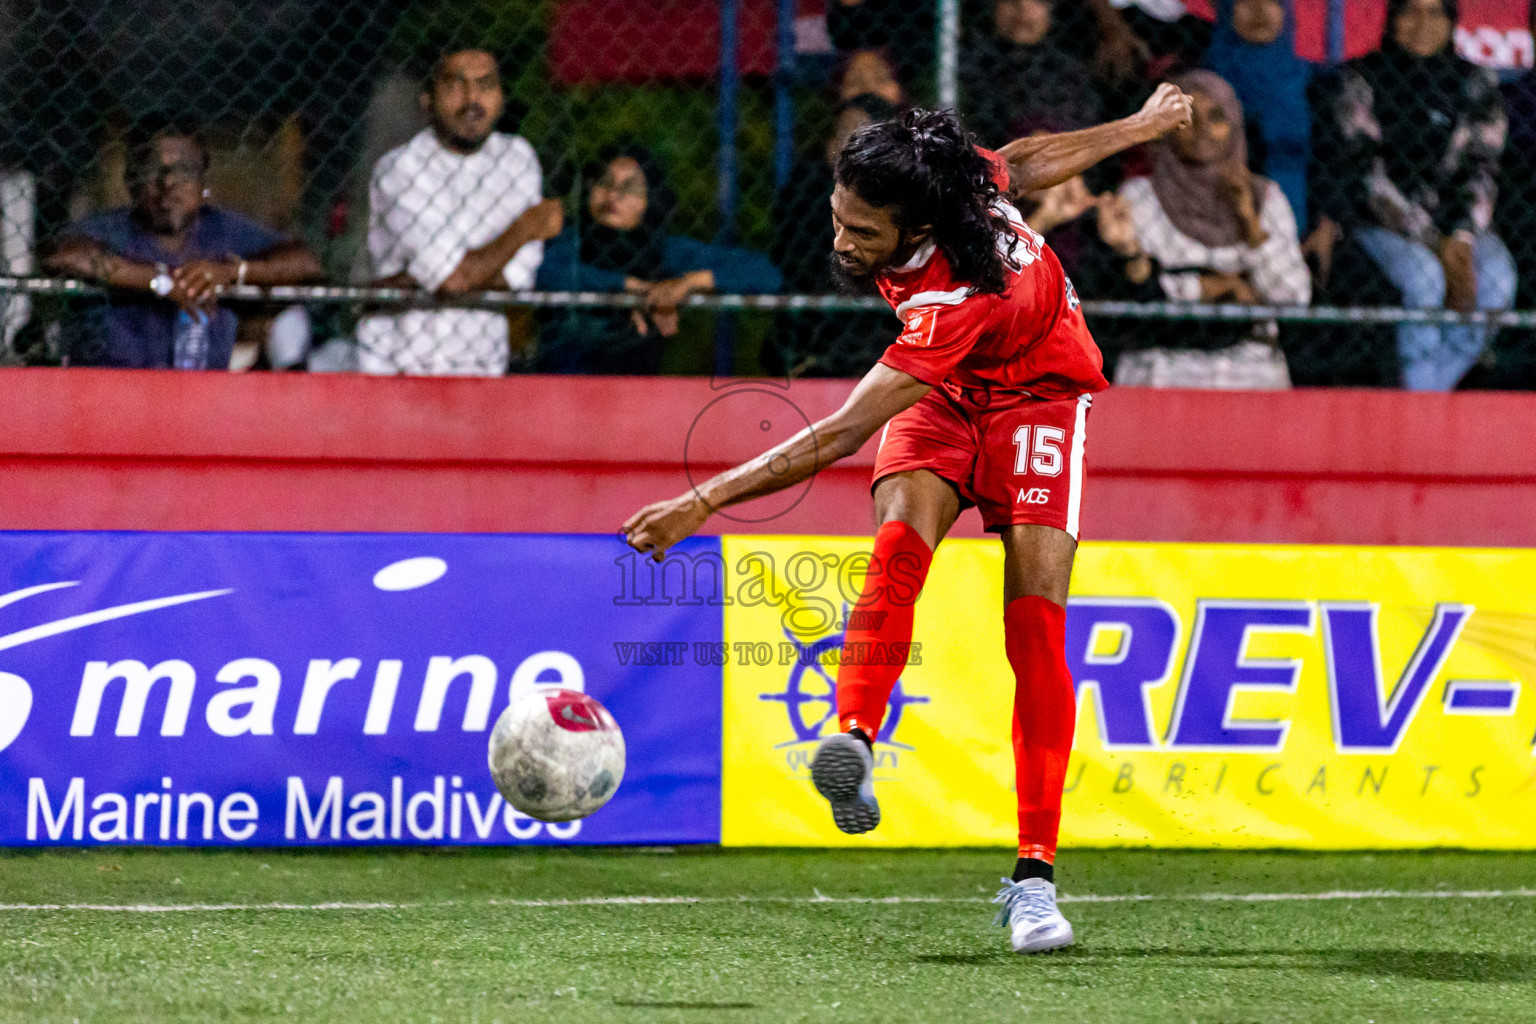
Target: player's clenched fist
column 1169, row 108
column 657, row 527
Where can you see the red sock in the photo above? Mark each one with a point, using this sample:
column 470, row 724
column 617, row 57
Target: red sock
column 1044, row 715
column 881, row 619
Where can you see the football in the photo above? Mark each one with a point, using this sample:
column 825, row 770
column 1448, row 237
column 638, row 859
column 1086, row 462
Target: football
column 556, row 754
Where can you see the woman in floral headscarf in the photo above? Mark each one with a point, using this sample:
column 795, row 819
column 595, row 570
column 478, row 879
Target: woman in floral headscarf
column 1420, row 133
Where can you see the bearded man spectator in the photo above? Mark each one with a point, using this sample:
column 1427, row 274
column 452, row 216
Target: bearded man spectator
column 457, row 209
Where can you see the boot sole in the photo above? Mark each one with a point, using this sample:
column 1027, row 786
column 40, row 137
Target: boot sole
column 838, row 773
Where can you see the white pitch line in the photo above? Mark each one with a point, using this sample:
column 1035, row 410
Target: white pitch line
column 631, row 901
column 1308, row 897
column 183, row 908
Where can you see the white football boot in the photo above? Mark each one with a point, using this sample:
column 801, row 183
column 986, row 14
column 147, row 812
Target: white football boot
column 843, row 771
column 1029, row 913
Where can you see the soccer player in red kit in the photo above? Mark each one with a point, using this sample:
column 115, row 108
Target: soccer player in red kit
column 984, row 400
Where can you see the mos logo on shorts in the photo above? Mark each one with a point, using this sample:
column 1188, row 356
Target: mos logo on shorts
column 1034, row 496
column 810, row 703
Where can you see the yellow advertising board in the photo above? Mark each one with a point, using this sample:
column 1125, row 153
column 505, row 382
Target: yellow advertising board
column 1228, row 696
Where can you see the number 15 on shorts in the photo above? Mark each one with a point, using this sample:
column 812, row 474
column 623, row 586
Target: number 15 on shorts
column 1037, row 450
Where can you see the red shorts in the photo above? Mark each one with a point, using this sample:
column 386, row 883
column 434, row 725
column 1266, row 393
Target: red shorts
column 1020, row 464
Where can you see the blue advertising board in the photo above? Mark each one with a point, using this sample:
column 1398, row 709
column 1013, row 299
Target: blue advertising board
column 310, row 689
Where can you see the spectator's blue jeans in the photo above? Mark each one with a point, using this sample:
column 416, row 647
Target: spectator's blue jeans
column 1436, row 358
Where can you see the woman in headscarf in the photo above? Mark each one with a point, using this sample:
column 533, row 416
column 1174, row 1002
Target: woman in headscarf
column 1420, row 134
column 1219, row 232
column 1215, row 232
column 1254, row 49
column 622, row 243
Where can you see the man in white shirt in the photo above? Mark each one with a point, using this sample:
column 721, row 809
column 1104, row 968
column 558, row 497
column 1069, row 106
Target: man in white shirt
column 457, row 209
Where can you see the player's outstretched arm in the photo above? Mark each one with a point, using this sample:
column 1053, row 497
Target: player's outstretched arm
column 882, row 393
column 1044, row 161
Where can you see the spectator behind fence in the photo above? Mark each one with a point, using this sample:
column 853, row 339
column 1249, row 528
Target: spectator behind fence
column 821, row 344
column 457, row 209
column 1094, row 30
column 1254, row 49
column 900, row 27
column 18, row 235
column 623, row 243
column 1095, row 239
column 1219, row 232
column 1518, row 216
column 1170, row 35
column 1133, row 45
column 167, row 256
column 1516, row 220
column 1421, row 132
column 1018, row 77
column 868, row 73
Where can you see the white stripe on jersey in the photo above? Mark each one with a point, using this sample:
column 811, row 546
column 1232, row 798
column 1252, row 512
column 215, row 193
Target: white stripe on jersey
column 1027, row 250
column 1075, row 480
column 953, row 298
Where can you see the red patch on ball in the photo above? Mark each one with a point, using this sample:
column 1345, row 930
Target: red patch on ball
column 576, row 712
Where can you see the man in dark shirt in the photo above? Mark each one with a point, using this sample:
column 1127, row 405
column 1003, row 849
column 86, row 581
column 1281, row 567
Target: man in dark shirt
column 169, row 254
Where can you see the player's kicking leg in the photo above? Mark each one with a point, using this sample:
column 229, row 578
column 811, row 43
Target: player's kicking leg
column 915, row 510
column 1037, row 574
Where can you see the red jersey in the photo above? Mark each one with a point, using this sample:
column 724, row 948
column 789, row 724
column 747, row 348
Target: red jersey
column 1030, row 342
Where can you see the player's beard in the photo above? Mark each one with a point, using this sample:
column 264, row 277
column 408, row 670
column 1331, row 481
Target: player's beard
column 851, row 284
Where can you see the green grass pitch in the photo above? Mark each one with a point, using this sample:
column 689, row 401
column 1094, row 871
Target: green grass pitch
column 504, row 935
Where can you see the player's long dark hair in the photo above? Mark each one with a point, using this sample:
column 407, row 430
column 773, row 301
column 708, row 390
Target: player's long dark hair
column 924, row 167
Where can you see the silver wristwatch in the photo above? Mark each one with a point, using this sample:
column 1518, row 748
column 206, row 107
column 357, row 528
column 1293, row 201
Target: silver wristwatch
column 161, row 284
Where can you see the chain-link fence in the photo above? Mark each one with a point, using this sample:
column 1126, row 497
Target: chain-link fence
column 594, row 186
